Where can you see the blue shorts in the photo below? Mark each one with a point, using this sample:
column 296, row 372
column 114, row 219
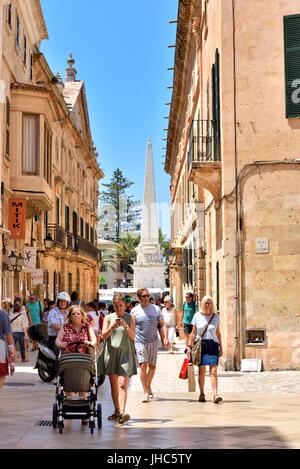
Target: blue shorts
column 209, row 353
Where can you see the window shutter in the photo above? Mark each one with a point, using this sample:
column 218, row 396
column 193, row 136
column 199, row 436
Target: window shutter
column 7, row 146
column 216, row 105
column 292, row 65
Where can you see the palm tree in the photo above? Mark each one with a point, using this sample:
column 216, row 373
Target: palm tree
column 108, row 259
column 125, row 251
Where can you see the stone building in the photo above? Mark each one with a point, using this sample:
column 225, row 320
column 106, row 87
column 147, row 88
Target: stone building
column 49, row 161
column 233, row 156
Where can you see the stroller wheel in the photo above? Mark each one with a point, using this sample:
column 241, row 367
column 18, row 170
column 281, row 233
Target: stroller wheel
column 54, row 416
column 99, row 416
column 60, row 427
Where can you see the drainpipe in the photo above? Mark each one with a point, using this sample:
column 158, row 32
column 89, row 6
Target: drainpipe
column 237, row 246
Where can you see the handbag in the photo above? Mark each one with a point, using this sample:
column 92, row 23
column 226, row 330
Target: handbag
column 196, row 349
column 184, row 369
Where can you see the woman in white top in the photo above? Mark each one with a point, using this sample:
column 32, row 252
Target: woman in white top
column 18, row 327
column 169, row 314
column 211, row 348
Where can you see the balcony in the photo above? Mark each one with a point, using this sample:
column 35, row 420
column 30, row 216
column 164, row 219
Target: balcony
column 85, row 246
column 204, row 157
column 70, row 240
column 57, row 234
column 66, row 240
column 35, row 189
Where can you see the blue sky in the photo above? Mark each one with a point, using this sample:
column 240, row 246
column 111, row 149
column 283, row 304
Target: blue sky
column 121, row 51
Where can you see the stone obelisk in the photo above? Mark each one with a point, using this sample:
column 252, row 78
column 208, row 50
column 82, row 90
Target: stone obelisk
column 149, row 267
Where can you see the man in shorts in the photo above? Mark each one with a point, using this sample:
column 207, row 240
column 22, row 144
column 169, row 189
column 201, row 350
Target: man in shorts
column 188, row 311
column 147, row 316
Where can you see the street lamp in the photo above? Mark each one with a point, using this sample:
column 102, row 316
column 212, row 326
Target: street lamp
column 169, row 256
column 15, row 263
column 48, row 241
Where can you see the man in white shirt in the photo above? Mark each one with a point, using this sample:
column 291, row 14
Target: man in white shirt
column 147, row 316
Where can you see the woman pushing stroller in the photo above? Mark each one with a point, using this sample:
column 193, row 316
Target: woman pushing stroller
column 76, row 335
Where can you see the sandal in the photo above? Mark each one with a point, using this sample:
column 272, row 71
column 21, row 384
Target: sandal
column 202, row 398
column 217, row 399
column 122, row 418
column 114, row 416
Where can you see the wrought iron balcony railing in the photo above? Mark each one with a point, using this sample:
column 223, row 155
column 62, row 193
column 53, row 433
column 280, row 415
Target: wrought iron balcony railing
column 87, row 247
column 204, row 143
column 57, row 234
column 67, row 240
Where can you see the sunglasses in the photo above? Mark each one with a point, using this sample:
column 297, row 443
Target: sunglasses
column 76, row 314
column 145, row 296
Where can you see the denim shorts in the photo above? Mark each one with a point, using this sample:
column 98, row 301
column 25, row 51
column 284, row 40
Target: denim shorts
column 209, row 353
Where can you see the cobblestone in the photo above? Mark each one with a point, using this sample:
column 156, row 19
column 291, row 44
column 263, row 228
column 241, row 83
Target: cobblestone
column 258, row 411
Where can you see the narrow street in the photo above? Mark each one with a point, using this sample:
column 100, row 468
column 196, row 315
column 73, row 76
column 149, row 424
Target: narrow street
column 260, row 410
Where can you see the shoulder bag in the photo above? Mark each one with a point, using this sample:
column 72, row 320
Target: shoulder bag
column 196, row 349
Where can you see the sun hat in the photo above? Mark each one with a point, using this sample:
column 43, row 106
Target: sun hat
column 7, row 300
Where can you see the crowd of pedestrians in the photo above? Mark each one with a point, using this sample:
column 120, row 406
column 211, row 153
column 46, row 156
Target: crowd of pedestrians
column 124, row 334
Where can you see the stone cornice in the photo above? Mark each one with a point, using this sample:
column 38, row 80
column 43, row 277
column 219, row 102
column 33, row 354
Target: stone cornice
column 32, row 14
column 29, row 87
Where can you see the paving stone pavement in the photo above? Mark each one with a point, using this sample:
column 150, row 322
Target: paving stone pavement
column 260, row 410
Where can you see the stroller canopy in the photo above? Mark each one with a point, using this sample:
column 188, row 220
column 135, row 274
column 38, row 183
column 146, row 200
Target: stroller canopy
column 76, row 371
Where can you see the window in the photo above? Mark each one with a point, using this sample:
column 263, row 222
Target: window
column 216, row 105
column 31, row 67
column 75, row 224
column 92, row 238
column 9, row 15
column 67, row 218
column 57, row 211
column 56, row 151
column 103, row 268
column 7, row 136
column 292, row 64
column 47, row 153
column 30, row 157
column 87, row 231
column 81, row 227
column 18, row 31
column 46, row 223
column 25, row 51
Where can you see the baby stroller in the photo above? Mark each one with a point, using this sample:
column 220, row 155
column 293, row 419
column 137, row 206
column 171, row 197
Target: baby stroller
column 77, row 372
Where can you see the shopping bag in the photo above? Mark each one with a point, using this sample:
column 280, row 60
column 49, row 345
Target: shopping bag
column 184, row 369
column 191, row 378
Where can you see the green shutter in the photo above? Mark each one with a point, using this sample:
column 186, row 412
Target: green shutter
column 292, row 64
column 7, row 133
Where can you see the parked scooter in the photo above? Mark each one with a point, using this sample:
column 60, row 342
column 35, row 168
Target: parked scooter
column 46, row 363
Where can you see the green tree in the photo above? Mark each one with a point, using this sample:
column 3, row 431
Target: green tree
column 108, row 259
column 164, row 243
column 119, row 213
column 125, row 251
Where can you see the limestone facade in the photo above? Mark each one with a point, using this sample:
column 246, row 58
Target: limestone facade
column 233, row 155
column 48, row 157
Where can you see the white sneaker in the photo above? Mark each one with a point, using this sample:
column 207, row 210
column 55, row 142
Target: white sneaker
column 146, row 398
column 150, row 393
